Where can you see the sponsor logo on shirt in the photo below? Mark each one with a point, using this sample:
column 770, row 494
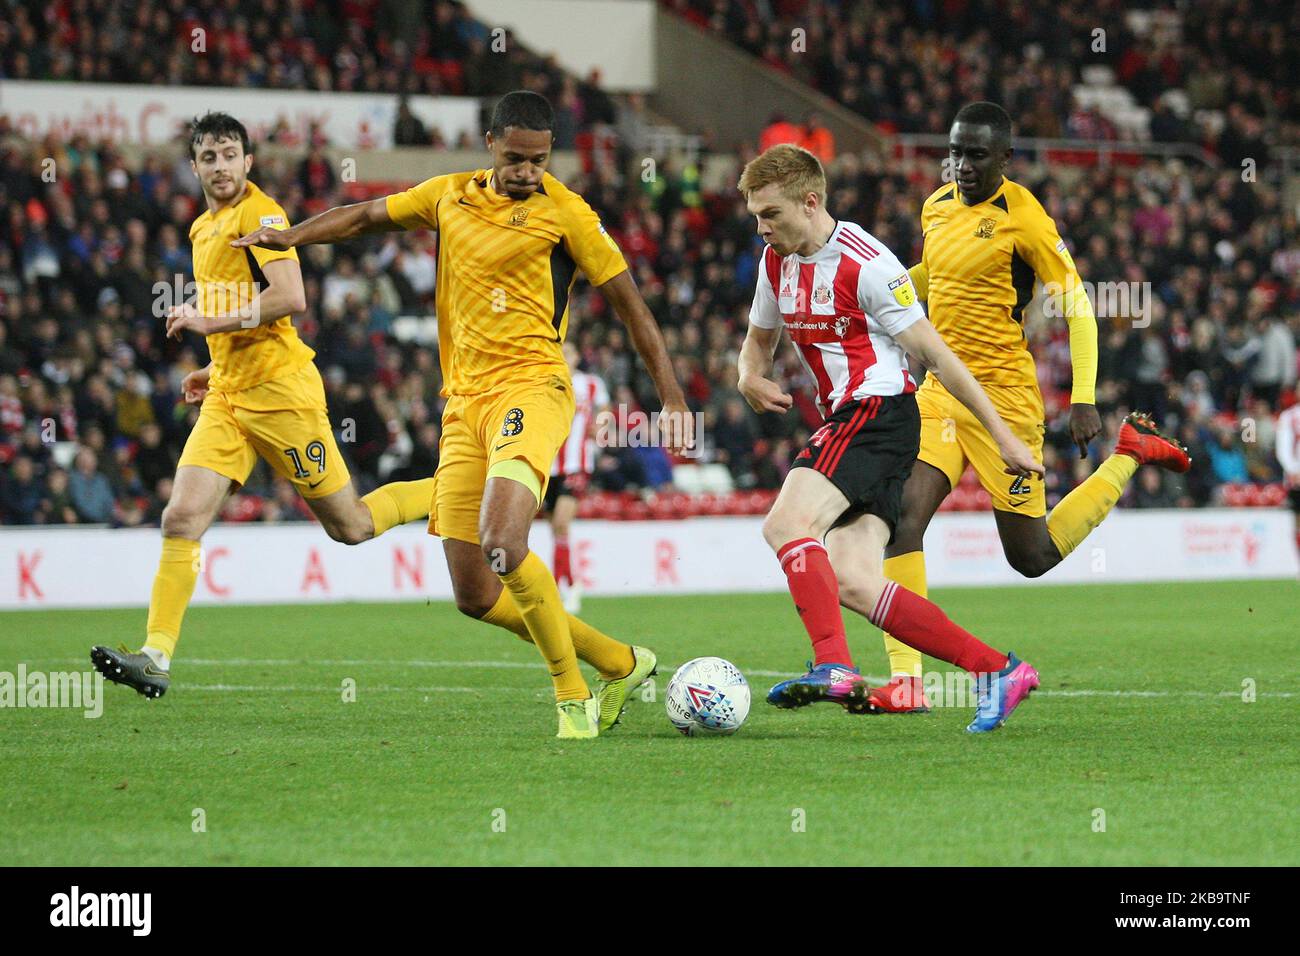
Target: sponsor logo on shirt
column 277, row 221
column 901, row 289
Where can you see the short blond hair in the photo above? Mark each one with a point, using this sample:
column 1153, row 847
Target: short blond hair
column 795, row 170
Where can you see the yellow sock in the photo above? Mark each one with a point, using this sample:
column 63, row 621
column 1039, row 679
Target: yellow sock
column 537, row 598
column 612, row 658
column 173, row 586
column 908, row 570
column 1085, row 507
column 399, row 502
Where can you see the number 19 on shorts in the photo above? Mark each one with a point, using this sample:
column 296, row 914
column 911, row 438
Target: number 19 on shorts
column 314, row 452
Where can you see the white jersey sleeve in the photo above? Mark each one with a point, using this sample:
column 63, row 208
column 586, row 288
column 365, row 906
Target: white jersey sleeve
column 765, row 313
column 886, row 293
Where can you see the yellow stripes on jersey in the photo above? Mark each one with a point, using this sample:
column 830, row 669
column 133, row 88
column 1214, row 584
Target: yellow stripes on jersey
column 505, row 271
column 229, row 279
column 979, row 266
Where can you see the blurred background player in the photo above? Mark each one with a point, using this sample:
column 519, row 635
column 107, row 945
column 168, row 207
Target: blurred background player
column 260, row 395
column 848, row 305
column 571, row 473
column 1287, row 441
column 986, row 239
column 511, row 240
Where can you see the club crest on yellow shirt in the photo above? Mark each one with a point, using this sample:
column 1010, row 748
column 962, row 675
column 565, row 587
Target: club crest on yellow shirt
column 985, row 229
column 519, row 217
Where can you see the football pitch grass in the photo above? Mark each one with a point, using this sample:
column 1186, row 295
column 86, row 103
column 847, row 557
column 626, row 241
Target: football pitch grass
column 1139, row 749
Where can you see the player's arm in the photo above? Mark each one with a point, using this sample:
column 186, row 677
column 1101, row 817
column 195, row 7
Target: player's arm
column 676, row 421
column 758, row 351
column 1045, row 250
column 283, row 294
column 755, row 384
column 194, row 388
column 921, row 280
column 922, row 341
column 338, row 224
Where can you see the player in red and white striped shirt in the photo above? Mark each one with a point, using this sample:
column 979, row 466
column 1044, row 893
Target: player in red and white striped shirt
column 1287, row 449
column 850, row 309
column 571, row 473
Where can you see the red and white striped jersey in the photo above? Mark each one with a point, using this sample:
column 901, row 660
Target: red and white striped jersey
column 842, row 306
column 1288, row 441
column 578, row 454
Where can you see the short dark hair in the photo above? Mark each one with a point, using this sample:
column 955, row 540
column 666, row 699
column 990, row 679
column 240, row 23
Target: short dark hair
column 219, row 126
column 522, row 109
column 987, row 114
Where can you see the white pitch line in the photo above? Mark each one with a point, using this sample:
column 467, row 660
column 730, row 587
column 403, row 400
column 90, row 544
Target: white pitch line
column 527, row 665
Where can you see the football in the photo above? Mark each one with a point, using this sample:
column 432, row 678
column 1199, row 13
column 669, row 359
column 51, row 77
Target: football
column 708, row 696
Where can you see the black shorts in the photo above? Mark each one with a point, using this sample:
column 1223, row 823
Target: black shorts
column 867, row 450
column 558, row 485
column 1294, row 495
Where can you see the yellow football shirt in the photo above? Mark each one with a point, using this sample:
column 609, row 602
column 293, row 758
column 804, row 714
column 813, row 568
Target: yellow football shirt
column 505, row 270
column 228, row 279
column 980, row 263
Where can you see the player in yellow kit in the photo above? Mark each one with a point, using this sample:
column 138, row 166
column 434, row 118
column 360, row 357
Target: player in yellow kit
column 510, row 241
column 987, row 239
column 260, row 395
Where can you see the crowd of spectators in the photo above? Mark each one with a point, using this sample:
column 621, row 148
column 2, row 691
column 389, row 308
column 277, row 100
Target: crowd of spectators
column 91, row 424
column 369, row 46
column 910, row 66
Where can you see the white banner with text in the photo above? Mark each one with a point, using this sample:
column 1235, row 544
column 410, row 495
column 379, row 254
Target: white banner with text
column 261, row 564
column 152, row 115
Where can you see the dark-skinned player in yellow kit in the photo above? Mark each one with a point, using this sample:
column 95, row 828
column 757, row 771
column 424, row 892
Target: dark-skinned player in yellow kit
column 986, row 241
column 510, row 240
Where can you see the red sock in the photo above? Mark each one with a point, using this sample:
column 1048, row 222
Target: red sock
column 561, row 568
column 816, row 593
column 922, row 624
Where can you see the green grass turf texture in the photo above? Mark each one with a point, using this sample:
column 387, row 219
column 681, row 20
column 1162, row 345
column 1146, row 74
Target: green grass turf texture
column 288, row 773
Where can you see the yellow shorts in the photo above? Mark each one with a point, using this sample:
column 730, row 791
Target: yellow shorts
column 529, row 421
column 951, row 436
column 283, row 420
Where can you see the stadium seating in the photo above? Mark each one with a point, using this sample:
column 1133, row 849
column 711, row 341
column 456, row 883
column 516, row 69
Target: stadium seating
column 82, row 352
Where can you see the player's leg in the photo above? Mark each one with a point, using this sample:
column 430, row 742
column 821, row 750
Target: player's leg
column 216, row 454
column 351, row 519
column 1003, row 680
column 521, row 433
column 938, row 468
column 904, row 562
column 1019, row 504
column 1140, row 442
column 804, row 510
column 807, row 506
column 479, row 594
column 1293, row 495
column 563, row 508
column 288, row 424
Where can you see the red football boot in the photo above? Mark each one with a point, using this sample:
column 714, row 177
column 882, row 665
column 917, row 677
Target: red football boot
column 1140, row 439
column 902, row 695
